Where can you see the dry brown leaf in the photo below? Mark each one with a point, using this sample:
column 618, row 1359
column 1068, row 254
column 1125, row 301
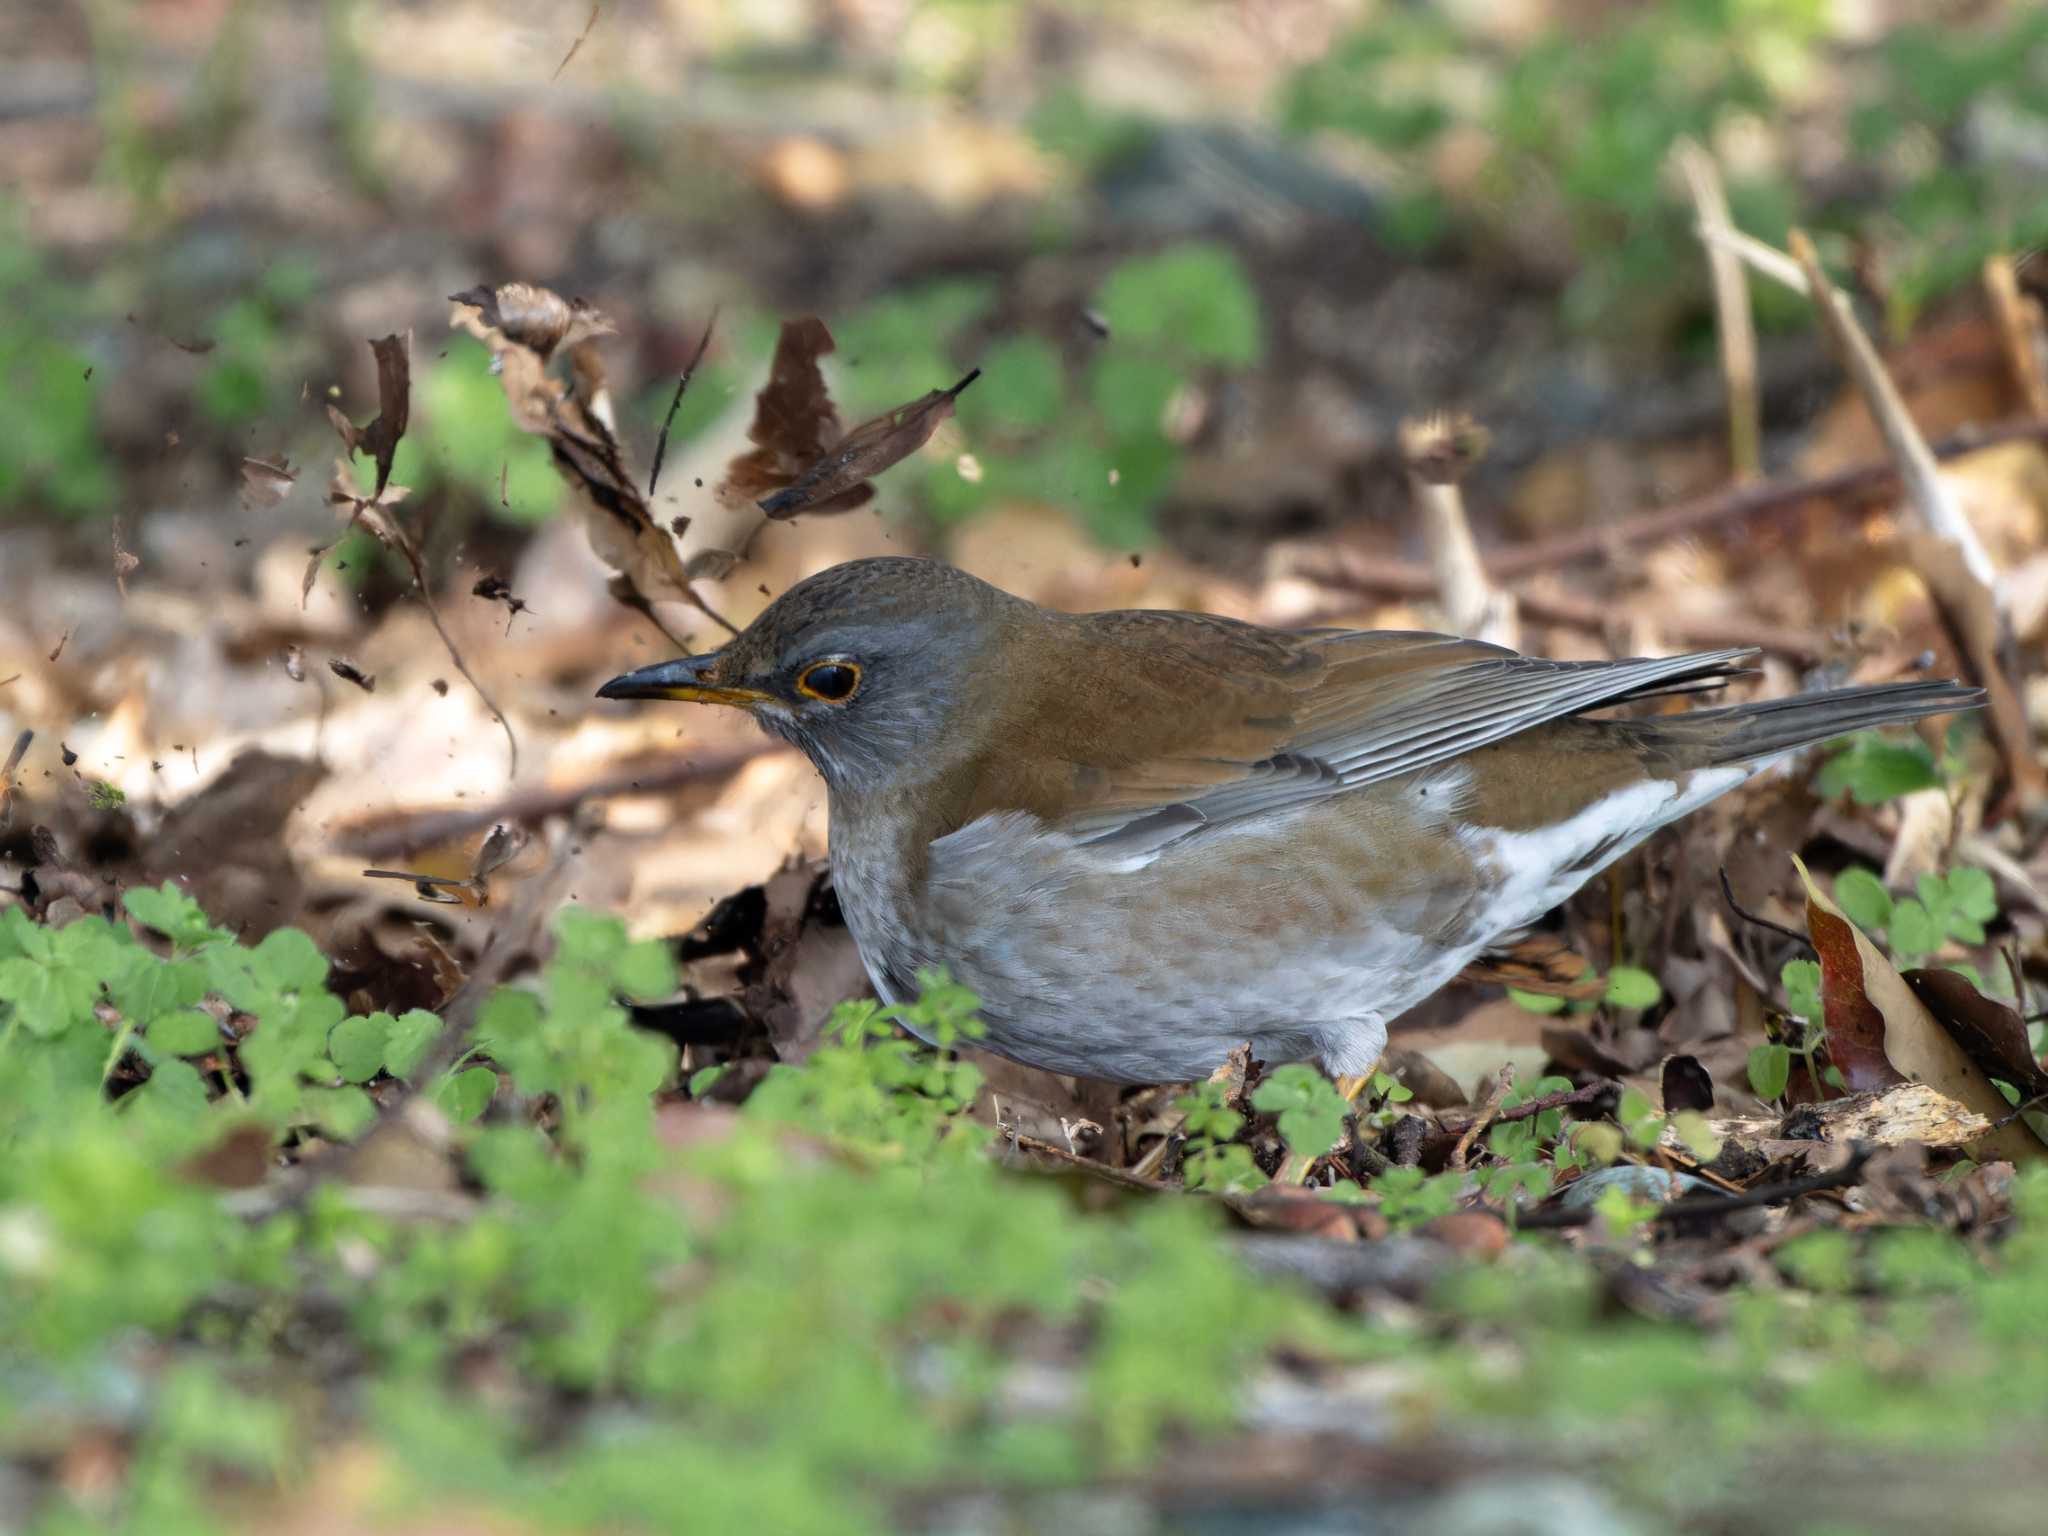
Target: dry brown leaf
column 379, row 437
column 575, row 416
column 795, row 422
column 1856, row 1026
column 1539, row 964
column 1994, row 1036
column 1914, row 1043
column 838, row 481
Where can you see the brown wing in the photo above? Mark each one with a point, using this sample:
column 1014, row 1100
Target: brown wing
column 1154, row 726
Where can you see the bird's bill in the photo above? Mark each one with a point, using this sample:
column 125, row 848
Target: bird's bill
column 687, row 679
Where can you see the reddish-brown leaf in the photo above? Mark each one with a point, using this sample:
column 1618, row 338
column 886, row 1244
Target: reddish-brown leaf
column 1855, row 1025
column 867, row 450
column 795, row 422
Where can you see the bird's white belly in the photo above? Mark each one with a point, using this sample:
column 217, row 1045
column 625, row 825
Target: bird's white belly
column 1084, row 965
column 1129, row 967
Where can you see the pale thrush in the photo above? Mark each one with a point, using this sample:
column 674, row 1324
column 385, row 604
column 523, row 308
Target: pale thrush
column 1144, row 838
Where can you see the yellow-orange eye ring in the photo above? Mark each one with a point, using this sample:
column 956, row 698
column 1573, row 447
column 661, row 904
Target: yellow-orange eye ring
column 834, row 682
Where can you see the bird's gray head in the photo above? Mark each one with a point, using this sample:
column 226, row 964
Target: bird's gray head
column 860, row 666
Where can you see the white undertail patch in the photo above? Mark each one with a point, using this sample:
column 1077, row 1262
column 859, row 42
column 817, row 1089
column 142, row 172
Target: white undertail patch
column 1538, row 868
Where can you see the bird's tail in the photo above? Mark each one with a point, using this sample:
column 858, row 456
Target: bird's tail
column 1745, row 733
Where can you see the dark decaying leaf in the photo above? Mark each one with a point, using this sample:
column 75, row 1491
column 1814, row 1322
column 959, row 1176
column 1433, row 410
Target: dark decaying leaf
column 1992, row 1035
column 379, row 438
column 535, row 317
column 867, row 450
column 349, row 672
column 1855, row 1025
column 1687, row 1085
column 795, row 422
column 496, row 589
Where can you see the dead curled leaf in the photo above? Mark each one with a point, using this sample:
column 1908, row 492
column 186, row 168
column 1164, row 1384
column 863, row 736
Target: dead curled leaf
column 865, row 452
column 1862, row 988
column 575, row 416
column 1993, row 1035
column 379, row 437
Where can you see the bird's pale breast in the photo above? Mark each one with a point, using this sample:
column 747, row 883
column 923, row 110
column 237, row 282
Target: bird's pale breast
column 1304, row 932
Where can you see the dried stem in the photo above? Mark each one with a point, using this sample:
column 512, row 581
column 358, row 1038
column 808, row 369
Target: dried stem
column 1438, row 450
column 1919, row 476
column 2019, row 331
column 1734, row 324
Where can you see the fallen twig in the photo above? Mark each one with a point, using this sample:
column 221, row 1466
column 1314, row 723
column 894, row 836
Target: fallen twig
column 1715, row 1205
column 1925, row 491
column 1088, row 1165
column 1741, row 501
column 409, row 832
column 1350, row 571
column 1488, row 1108
column 1728, row 895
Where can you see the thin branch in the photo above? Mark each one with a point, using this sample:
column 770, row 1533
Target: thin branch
column 682, row 384
column 575, row 46
column 1488, row 1109
column 1728, row 895
column 1716, row 1205
column 2019, row 330
column 414, row 830
column 419, row 576
column 1925, row 490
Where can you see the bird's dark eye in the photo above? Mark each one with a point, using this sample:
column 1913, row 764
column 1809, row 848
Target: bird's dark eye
column 832, row 681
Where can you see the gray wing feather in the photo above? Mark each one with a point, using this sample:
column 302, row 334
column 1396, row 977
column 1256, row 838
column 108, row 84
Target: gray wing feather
column 1415, row 721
